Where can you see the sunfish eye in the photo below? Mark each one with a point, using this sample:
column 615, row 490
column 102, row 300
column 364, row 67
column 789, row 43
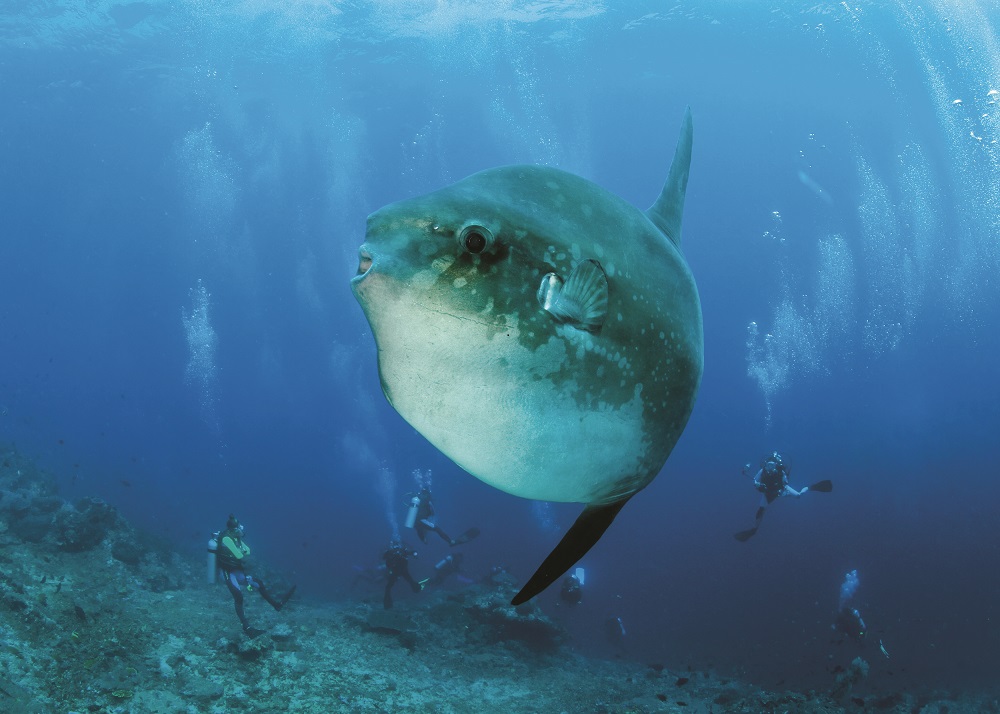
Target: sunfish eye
column 475, row 239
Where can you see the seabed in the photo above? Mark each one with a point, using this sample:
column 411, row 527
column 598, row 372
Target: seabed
column 96, row 617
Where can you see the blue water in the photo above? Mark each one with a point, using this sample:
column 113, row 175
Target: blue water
column 184, row 185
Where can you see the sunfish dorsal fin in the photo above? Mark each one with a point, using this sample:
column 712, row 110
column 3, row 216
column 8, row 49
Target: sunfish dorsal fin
column 667, row 210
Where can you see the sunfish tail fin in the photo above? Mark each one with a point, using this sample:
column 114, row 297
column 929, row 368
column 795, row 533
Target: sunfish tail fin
column 587, row 530
column 668, row 209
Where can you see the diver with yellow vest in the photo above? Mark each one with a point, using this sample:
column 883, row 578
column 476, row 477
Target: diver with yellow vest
column 231, row 553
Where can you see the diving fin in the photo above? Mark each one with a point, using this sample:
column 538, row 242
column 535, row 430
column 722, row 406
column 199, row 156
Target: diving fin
column 587, row 530
column 744, row 536
column 464, row 537
column 824, row 486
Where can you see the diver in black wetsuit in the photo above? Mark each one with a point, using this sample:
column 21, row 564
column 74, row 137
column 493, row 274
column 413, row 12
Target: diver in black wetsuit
column 850, row 623
column 396, row 567
column 421, row 518
column 572, row 590
column 772, row 482
column 425, row 522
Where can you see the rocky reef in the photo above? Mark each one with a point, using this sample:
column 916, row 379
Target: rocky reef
column 96, row 617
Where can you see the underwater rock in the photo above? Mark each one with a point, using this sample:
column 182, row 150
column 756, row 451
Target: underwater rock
column 157, row 702
column 889, row 701
column 20, row 474
column 46, row 504
column 284, row 638
column 31, row 528
column 395, row 624
column 203, row 690
column 127, row 551
column 252, row 649
column 14, row 502
column 85, row 525
column 494, row 619
column 851, row 676
column 390, row 622
column 16, row 699
column 727, row 697
column 30, row 507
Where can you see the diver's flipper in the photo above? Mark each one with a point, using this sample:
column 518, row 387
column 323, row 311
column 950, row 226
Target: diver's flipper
column 587, row 530
column 822, row 486
column 465, row 537
column 746, row 535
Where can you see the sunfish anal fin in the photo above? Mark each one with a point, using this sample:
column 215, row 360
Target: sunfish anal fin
column 587, row 530
column 581, row 300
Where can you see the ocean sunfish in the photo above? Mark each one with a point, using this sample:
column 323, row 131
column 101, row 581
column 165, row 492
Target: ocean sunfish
column 541, row 332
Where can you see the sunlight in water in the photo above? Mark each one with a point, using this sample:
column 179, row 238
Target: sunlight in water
column 925, row 225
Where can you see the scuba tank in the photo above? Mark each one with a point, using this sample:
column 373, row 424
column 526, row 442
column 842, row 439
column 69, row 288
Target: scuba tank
column 212, row 572
column 443, row 563
column 411, row 514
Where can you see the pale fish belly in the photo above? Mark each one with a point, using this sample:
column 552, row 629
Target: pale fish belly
column 498, row 410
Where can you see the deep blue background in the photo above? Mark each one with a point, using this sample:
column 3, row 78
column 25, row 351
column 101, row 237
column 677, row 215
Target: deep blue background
column 145, row 147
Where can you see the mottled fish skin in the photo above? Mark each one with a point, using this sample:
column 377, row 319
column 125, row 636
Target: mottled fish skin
column 470, row 359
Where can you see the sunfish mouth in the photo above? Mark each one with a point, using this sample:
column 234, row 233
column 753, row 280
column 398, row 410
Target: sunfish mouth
column 364, row 263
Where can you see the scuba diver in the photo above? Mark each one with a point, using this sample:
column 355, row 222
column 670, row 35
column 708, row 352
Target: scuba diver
column 772, row 482
column 572, row 588
column 850, row 623
column 449, row 565
column 498, row 576
column 614, row 633
column 396, row 567
column 231, row 553
column 420, row 516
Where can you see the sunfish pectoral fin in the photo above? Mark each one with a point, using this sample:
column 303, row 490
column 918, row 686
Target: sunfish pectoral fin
column 587, row 530
column 666, row 212
column 581, row 300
